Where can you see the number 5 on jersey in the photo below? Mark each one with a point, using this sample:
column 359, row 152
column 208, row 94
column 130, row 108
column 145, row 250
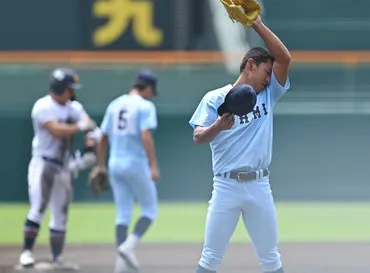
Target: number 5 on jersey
column 122, row 120
column 126, row 121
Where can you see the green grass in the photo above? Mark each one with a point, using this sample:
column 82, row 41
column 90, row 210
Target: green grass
column 184, row 222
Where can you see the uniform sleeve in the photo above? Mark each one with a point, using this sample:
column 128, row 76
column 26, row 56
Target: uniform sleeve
column 276, row 90
column 205, row 114
column 43, row 114
column 79, row 110
column 148, row 118
column 106, row 124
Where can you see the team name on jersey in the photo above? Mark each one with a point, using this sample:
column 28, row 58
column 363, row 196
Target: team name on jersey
column 256, row 114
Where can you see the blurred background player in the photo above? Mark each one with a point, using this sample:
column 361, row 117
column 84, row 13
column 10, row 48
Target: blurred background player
column 128, row 125
column 55, row 120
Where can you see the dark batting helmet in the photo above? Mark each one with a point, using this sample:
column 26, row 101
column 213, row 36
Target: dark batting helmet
column 62, row 78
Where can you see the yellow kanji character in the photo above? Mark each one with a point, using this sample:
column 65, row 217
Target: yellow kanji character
column 119, row 14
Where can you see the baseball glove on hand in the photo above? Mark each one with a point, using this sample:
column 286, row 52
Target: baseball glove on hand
column 242, row 11
column 98, row 180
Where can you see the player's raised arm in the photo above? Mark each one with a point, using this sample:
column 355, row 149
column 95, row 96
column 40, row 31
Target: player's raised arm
column 277, row 49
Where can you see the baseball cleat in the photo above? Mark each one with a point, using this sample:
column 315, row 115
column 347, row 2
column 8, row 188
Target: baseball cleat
column 61, row 264
column 26, row 259
column 128, row 255
column 121, row 265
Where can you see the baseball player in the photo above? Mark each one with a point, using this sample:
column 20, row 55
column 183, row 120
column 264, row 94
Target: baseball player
column 128, row 125
column 55, row 120
column 241, row 146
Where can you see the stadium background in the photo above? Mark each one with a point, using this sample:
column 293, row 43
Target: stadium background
column 321, row 150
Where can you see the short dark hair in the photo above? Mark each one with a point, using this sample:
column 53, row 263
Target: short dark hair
column 140, row 86
column 144, row 79
column 258, row 54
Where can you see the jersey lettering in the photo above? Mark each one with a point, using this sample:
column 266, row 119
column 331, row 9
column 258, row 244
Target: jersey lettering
column 256, row 114
column 264, row 109
column 244, row 119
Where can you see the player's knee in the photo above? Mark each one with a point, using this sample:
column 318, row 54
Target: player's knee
column 150, row 212
column 35, row 215
column 58, row 223
column 123, row 217
column 210, row 260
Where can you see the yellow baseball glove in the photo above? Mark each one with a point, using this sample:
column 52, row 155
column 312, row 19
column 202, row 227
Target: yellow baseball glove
column 242, row 11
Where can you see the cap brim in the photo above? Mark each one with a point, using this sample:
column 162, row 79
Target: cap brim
column 223, row 109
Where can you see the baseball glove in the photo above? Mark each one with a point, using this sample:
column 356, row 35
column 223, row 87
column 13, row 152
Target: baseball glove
column 242, row 11
column 98, row 181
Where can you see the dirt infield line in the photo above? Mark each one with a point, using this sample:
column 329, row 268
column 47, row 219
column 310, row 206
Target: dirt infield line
column 240, row 258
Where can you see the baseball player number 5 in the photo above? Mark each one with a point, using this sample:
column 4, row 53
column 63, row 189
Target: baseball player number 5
column 127, row 126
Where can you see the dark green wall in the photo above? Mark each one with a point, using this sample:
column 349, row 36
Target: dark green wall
column 315, row 158
column 180, row 86
column 176, row 154
column 320, row 25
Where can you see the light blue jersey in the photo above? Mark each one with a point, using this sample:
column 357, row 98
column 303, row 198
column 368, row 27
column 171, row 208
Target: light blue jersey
column 125, row 118
column 248, row 144
column 128, row 167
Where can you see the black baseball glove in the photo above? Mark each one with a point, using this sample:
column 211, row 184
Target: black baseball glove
column 98, row 181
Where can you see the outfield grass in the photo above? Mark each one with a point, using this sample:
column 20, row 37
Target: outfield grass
column 184, row 222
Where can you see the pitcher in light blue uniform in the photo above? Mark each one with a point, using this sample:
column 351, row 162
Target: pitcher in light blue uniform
column 241, row 146
column 128, row 125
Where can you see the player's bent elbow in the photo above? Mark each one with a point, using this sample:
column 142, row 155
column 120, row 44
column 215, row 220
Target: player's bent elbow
column 198, row 136
column 287, row 59
column 197, row 139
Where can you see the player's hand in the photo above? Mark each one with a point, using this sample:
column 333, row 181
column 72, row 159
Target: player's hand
column 257, row 21
column 101, row 168
column 155, row 173
column 85, row 125
column 225, row 122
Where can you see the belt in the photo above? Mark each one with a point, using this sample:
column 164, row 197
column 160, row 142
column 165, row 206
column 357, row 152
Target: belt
column 52, row 160
column 245, row 176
